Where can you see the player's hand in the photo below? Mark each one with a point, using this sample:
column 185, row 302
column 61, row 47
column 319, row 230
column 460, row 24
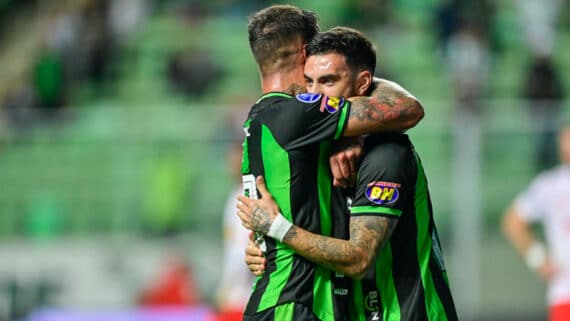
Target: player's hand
column 547, row 270
column 344, row 161
column 254, row 258
column 258, row 214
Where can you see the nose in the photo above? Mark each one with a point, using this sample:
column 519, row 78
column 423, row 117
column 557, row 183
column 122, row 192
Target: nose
column 317, row 89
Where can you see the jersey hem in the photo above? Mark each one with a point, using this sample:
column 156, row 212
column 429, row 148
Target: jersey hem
column 273, row 94
column 375, row 210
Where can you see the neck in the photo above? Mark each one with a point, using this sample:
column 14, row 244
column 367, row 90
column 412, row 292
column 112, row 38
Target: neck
column 279, row 81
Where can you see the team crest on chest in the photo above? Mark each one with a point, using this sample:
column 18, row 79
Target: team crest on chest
column 382, row 192
column 308, row 98
column 331, row 104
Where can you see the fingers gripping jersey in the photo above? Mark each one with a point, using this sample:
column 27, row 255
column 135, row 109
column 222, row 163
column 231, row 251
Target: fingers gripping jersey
column 288, row 141
column 408, row 281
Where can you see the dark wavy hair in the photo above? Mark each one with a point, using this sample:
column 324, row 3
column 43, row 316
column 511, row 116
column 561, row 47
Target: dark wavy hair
column 359, row 52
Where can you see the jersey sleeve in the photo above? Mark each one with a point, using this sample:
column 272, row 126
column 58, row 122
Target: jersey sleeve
column 308, row 119
column 530, row 202
column 384, row 183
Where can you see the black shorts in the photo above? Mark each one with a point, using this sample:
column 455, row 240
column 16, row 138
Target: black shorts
column 285, row 312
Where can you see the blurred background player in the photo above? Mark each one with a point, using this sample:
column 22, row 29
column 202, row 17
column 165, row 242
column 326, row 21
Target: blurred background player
column 546, row 201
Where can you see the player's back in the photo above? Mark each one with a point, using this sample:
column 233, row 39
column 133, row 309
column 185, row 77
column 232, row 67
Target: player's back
column 288, row 142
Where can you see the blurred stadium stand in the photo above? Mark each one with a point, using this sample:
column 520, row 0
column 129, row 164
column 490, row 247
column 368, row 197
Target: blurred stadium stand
column 130, row 157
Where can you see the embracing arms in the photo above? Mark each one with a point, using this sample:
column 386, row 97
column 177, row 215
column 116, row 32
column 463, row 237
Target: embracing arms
column 388, row 108
column 351, row 257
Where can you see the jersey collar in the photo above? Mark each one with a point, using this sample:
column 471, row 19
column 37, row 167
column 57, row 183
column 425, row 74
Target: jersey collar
column 273, row 94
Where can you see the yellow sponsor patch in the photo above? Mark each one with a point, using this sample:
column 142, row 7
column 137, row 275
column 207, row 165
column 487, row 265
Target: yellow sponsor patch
column 332, row 104
column 382, row 192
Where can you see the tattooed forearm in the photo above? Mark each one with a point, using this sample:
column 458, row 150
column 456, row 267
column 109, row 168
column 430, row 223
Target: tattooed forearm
column 384, row 104
column 370, row 232
column 290, row 235
column 320, row 249
column 351, row 257
column 389, row 107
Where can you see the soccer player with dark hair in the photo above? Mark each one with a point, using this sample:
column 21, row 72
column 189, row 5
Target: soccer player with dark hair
column 288, row 139
column 393, row 252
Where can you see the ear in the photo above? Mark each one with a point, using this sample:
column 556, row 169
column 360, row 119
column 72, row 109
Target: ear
column 363, row 82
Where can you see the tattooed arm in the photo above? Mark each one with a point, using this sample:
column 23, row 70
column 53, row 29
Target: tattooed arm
column 352, row 257
column 388, row 108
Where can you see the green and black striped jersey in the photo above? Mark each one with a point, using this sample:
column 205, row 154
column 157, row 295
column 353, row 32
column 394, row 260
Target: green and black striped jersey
column 408, row 281
column 288, row 141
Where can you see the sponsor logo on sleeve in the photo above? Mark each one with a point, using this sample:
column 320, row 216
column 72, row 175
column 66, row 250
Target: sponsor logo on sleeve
column 331, row 104
column 308, row 98
column 382, row 193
